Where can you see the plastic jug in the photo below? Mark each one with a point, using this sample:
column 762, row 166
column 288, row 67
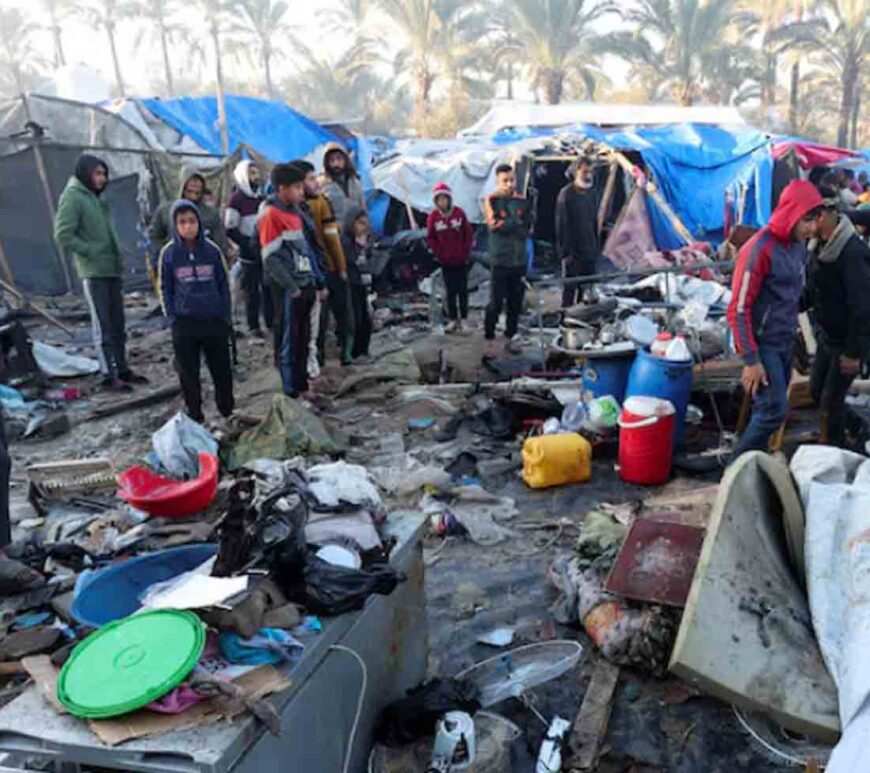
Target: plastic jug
column 660, row 345
column 553, row 460
column 659, row 377
column 646, row 440
column 678, row 350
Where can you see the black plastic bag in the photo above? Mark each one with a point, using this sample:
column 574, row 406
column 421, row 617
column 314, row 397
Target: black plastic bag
column 415, row 715
column 266, row 533
column 334, row 590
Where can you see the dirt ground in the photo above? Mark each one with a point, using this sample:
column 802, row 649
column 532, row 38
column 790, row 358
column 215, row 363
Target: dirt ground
column 655, row 724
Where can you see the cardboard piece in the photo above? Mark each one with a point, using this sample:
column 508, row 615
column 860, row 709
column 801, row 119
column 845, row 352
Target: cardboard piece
column 257, row 683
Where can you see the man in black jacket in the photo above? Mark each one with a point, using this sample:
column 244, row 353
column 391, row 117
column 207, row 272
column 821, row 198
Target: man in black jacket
column 577, row 228
column 838, row 289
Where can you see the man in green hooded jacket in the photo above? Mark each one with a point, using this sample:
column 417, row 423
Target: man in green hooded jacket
column 84, row 226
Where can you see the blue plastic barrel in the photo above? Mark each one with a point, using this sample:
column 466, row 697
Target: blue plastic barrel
column 112, row 593
column 607, row 375
column 653, row 376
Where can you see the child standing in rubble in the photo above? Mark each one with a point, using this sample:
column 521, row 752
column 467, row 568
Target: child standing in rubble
column 292, row 261
column 195, row 294
column 450, row 237
column 509, row 222
column 356, row 243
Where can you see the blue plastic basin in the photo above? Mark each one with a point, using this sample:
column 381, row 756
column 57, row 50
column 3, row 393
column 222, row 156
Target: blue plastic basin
column 112, row 593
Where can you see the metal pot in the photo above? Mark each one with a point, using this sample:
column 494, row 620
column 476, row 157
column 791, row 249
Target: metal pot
column 575, row 338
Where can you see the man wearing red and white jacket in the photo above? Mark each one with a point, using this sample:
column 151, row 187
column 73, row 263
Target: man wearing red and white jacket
column 450, row 237
column 763, row 314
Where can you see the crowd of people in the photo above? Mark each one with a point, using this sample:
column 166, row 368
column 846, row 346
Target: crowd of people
column 303, row 247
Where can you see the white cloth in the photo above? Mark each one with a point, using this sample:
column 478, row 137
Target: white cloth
column 313, row 364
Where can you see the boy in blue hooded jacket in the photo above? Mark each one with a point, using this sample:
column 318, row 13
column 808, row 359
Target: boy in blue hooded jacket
column 195, row 293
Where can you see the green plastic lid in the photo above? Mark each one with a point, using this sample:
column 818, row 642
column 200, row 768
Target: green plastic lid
column 128, row 663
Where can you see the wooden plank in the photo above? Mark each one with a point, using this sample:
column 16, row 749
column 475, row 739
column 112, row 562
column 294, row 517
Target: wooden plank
column 152, row 398
column 590, row 725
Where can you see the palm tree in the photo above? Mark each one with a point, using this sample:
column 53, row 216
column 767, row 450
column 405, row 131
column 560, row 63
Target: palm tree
column 261, row 22
column 428, row 27
column 676, row 41
column 837, row 39
column 18, row 55
column 57, row 10
column 558, row 41
column 160, row 16
column 106, row 14
column 212, row 14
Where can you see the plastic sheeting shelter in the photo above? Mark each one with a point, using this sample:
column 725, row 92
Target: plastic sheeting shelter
column 693, row 165
column 272, row 129
column 26, row 226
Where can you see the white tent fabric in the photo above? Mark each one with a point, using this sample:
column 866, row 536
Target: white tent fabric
column 415, row 169
column 506, row 115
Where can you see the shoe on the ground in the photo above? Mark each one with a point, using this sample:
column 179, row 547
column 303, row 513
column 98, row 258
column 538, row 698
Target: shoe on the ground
column 513, row 346
column 451, row 327
column 463, row 329
column 362, row 359
column 489, row 347
column 110, row 384
column 129, row 377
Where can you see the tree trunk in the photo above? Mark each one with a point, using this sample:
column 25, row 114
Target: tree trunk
column 167, row 67
column 59, row 58
column 553, row 85
column 768, row 92
column 221, row 107
column 794, row 97
column 267, row 69
column 424, row 86
column 856, row 109
column 847, row 100
column 510, row 79
column 110, row 31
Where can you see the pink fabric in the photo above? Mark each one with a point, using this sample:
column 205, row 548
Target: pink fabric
column 176, row 701
column 812, row 154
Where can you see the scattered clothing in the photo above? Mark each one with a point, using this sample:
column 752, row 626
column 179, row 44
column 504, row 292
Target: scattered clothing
column 269, row 646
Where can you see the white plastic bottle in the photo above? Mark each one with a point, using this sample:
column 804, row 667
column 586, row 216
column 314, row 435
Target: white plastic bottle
column 678, row 349
column 660, row 346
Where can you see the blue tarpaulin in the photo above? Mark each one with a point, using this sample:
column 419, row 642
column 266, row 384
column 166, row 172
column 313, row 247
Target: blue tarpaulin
column 273, row 129
column 694, row 166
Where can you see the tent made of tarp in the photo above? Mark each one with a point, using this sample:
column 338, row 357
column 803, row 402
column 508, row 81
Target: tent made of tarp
column 694, row 166
column 40, row 140
column 812, row 154
column 271, row 128
column 504, row 116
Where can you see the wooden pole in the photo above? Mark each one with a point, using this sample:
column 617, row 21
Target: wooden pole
column 653, row 192
column 49, row 200
column 42, row 312
column 607, row 197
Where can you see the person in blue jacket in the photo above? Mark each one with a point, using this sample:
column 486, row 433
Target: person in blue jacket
column 195, row 294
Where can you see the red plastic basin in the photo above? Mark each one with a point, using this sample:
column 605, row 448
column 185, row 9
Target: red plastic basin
column 161, row 496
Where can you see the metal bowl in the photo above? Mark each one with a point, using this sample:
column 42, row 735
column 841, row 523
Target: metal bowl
column 577, row 337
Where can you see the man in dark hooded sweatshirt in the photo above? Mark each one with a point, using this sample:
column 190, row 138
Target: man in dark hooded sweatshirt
column 84, row 226
column 161, row 229
column 195, row 294
column 838, row 290
column 577, row 228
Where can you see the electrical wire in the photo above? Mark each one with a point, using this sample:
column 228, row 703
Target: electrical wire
column 362, row 695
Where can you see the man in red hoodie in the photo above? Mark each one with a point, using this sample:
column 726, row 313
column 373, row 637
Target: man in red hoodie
column 450, row 237
column 763, row 313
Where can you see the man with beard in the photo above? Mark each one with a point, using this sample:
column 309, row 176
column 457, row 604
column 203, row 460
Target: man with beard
column 342, row 186
column 577, row 228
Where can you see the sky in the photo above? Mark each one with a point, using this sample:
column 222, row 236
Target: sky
column 142, row 68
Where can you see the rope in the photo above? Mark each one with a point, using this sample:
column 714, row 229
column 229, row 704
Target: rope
column 359, row 705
